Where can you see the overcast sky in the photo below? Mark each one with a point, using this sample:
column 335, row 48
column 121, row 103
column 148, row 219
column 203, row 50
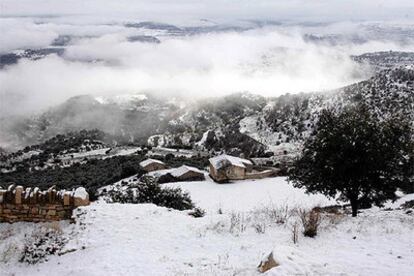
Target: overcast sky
column 297, row 10
column 270, row 61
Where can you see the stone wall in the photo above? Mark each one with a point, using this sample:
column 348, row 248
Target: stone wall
column 262, row 174
column 34, row 205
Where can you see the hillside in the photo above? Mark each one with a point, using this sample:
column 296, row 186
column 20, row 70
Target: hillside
column 291, row 118
column 244, row 223
column 237, row 123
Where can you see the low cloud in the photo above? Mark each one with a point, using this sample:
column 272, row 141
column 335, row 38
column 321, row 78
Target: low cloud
column 269, row 60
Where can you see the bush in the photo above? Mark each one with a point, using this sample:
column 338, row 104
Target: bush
column 174, row 198
column 91, row 175
column 42, row 244
column 147, row 190
column 310, row 222
column 358, row 154
column 408, row 204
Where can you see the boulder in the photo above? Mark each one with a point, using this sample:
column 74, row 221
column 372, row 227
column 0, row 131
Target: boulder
column 267, row 263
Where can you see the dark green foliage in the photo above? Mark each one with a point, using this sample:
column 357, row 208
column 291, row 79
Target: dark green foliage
column 233, row 142
column 147, row 190
column 174, row 198
column 356, row 154
column 50, row 149
column 408, row 204
column 289, row 114
column 176, row 161
column 229, row 109
column 71, row 140
column 167, row 178
column 91, row 175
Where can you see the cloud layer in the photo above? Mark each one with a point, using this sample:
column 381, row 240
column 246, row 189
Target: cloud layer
column 264, row 58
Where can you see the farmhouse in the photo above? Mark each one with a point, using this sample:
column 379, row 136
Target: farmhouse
column 183, row 173
column 226, row 167
column 150, row 165
column 187, row 173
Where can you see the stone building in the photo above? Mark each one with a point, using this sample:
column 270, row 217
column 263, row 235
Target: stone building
column 183, row 173
column 150, row 165
column 187, row 173
column 226, row 167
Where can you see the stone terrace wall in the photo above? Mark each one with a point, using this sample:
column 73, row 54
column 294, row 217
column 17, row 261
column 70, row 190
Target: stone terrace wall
column 34, row 205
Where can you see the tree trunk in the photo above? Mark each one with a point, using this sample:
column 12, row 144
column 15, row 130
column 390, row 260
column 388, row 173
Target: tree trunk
column 354, row 205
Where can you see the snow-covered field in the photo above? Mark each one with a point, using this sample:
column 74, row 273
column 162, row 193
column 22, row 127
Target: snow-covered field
column 247, row 195
column 127, row 239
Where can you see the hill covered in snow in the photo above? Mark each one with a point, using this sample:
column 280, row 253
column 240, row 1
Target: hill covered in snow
column 236, row 123
column 244, row 222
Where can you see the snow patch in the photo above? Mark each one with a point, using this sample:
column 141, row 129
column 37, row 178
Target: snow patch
column 219, row 161
column 81, row 193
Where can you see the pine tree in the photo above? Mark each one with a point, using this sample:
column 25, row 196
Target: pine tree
column 358, row 155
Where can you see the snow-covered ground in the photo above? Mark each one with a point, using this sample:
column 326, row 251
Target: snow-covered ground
column 246, row 195
column 96, row 152
column 127, row 239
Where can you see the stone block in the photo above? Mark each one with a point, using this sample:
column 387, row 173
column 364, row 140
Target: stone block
column 66, row 199
column 51, row 213
column 18, row 195
column 34, row 210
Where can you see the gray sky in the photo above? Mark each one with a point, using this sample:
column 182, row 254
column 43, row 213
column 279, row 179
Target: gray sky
column 296, row 10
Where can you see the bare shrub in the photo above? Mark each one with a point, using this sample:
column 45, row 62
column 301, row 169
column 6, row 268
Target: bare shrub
column 238, row 223
column 295, row 232
column 310, row 222
column 278, row 215
column 42, row 243
column 260, row 227
column 218, row 227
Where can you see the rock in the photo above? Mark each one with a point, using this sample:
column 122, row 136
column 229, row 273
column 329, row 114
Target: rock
column 267, row 263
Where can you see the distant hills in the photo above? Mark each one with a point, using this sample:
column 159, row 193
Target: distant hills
column 238, row 123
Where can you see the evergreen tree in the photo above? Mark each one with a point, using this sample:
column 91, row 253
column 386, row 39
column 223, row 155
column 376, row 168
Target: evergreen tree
column 358, row 155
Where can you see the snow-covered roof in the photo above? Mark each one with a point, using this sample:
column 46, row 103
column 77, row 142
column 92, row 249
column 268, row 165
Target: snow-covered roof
column 221, row 160
column 160, row 172
column 150, row 161
column 176, row 172
column 183, row 170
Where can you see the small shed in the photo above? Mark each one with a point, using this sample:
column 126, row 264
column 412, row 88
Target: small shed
column 226, row 167
column 151, row 165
